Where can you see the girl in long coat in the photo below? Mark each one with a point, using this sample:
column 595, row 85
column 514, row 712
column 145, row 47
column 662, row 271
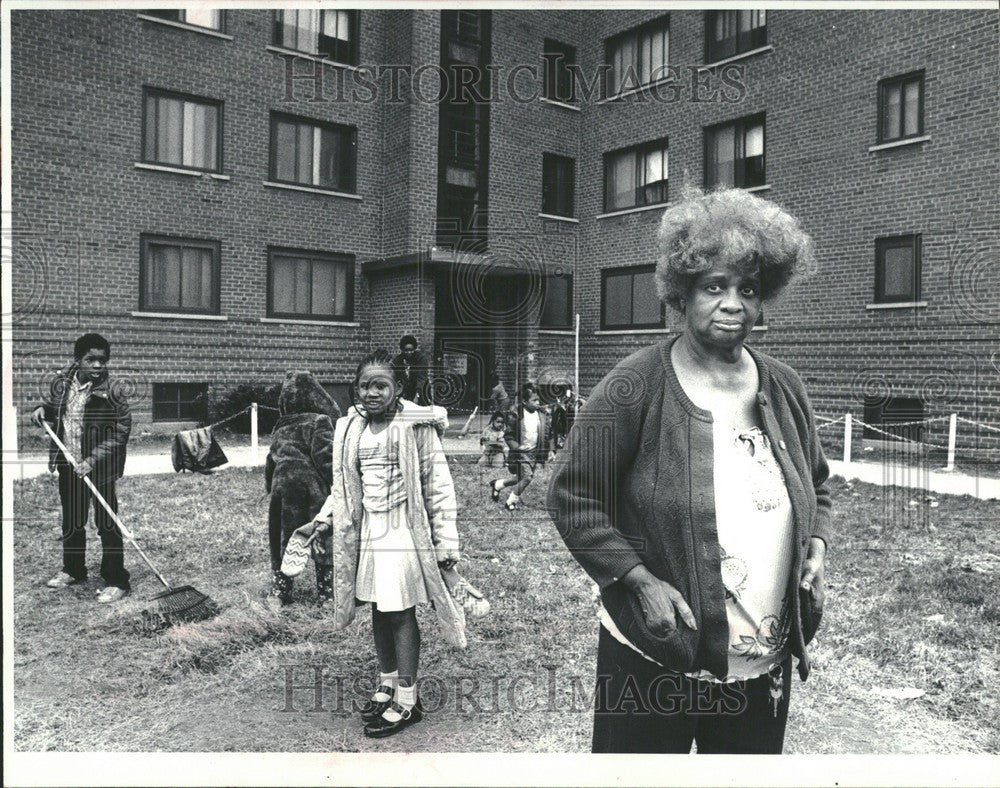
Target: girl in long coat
column 389, row 526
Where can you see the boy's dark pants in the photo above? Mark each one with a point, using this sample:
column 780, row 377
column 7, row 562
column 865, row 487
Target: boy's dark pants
column 76, row 499
column 640, row 707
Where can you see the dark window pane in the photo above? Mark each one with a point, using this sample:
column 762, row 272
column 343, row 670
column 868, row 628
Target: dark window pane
column 646, row 307
column 284, row 157
column 618, row 300
column 331, row 167
column 164, row 276
column 898, row 276
column 557, row 308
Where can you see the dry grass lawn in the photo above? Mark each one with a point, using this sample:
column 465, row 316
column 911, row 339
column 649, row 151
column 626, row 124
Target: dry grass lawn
column 88, row 678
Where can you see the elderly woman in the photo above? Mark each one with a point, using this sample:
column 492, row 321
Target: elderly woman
column 693, row 492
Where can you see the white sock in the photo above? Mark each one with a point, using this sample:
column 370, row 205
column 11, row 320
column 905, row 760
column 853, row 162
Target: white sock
column 513, row 498
column 406, row 696
column 498, row 485
column 389, row 680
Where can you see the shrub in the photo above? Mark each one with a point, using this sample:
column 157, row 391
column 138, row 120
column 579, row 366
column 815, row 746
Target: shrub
column 234, row 400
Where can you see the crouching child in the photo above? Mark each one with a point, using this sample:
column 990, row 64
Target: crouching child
column 298, row 473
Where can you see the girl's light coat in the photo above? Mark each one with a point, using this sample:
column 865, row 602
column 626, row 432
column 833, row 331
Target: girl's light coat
column 430, row 508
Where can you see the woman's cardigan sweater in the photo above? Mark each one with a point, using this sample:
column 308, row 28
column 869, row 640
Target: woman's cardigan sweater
column 430, row 504
column 636, row 486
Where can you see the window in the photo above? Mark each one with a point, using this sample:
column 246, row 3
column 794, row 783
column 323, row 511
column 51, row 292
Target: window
column 559, row 82
column 629, row 299
column 310, row 285
column 178, row 275
column 181, row 131
column 180, row 402
column 901, row 107
column 319, row 32
column 557, row 184
column 893, row 415
column 637, row 57
column 729, row 33
column 313, row 154
column 635, row 176
column 199, row 17
column 897, row 269
column 557, row 308
column 734, row 153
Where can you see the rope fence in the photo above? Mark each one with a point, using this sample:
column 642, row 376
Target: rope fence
column 912, row 443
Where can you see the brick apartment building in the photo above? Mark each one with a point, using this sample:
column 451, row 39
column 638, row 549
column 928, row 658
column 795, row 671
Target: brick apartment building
column 228, row 195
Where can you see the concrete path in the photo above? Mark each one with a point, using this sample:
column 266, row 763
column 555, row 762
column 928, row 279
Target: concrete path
column 138, row 464
column 949, row 483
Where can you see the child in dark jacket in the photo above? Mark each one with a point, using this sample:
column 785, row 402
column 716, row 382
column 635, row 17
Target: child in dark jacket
column 298, row 474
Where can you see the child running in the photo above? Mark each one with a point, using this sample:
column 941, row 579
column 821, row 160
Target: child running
column 527, row 436
column 389, row 525
column 492, row 441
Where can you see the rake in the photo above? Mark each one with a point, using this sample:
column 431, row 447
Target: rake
column 173, row 606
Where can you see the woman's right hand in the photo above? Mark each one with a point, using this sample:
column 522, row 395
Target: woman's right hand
column 661, row 602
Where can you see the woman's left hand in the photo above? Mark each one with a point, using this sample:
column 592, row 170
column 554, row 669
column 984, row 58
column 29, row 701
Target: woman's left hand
column 812, row 571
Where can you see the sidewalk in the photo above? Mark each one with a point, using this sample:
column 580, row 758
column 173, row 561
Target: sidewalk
column 948, row 483
column 32, row 466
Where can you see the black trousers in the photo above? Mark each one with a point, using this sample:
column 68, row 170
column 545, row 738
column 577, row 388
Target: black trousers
column 76, row 500
column 640, row 707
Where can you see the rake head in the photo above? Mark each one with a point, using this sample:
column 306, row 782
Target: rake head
column 183, row 604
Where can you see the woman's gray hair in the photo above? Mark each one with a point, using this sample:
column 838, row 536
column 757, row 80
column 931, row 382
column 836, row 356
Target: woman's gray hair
column 731, row 226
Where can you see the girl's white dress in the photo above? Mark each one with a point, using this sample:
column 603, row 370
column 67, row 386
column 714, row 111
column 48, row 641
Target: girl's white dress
column 389, row 572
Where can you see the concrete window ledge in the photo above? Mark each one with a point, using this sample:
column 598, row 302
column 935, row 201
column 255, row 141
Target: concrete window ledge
column 553, row 217
column 661, row 206
column 625, row 331
column 898, row 305
column 178, row 316
column 297, row 322
column 740, row 56
column 759, row 328
column 762, row 188
column 310, row 56
column 557, row 332
column 639, row 89
column 142, row 165
column 205, row 31
column 556, row 103
column 899, row 143
column 313, row 190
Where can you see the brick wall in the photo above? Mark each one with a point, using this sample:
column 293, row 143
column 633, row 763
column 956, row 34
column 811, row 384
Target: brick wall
column 81, row 204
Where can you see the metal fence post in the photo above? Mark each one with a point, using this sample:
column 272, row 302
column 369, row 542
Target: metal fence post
column 847, row 439
column 952, row 430
column 254, row 448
